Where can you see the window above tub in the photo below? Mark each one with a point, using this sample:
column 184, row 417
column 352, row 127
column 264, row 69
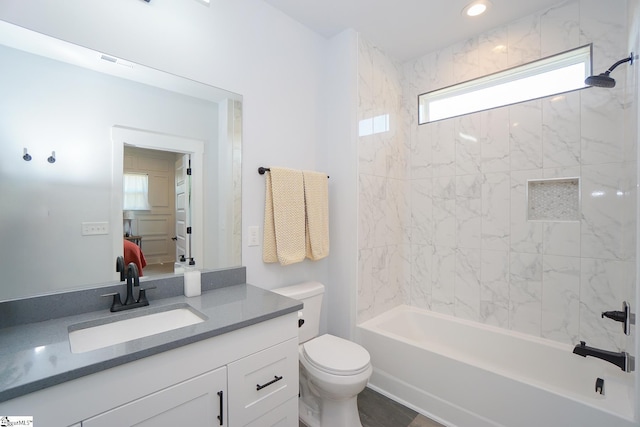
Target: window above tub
column 555, row 74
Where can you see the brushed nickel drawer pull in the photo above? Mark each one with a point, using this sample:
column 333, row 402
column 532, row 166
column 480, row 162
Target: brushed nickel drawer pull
column 276, row 379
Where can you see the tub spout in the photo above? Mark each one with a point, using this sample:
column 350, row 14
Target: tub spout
column 621, row 359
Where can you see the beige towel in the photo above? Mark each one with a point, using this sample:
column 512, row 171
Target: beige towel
column 316, row 198
column 284, row 217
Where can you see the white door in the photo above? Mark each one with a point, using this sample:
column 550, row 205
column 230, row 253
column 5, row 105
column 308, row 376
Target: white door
column 183, row 206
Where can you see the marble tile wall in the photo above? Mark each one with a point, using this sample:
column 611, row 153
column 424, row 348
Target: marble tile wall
column 443, row 206
column 384, row 263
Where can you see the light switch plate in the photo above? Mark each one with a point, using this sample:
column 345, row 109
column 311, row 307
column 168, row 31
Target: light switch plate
column 253, row 239
column 95, row 228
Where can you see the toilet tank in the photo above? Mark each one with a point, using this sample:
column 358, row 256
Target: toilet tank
column 310, row 293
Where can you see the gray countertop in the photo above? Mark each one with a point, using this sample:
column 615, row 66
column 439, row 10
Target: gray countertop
column 34, row 356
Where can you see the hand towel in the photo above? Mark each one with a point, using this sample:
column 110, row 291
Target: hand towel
column 133, row 253
column 284, row 217
column 316, row 198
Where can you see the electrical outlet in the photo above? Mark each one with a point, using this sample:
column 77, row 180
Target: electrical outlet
column 95, row 228
column 253, row 239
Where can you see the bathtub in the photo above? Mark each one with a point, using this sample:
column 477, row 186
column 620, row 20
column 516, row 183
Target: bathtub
column 466, row 374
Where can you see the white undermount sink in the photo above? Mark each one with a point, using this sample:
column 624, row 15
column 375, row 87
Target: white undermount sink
column 105, row 332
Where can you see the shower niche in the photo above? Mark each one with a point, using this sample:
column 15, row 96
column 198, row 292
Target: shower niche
column 556, row 199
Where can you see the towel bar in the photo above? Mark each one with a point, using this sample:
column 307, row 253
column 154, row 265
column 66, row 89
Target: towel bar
column 262, row 170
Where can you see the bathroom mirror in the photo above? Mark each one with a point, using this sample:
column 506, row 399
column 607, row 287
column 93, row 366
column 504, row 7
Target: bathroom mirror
column 72, row 120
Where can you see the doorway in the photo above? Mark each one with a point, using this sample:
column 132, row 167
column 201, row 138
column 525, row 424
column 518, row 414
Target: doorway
column 158, row 230
column 157, row 154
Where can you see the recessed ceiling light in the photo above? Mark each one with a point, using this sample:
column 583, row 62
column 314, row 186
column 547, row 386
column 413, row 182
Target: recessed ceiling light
column 476, row 8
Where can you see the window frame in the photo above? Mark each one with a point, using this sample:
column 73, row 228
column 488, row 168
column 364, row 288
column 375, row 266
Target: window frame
column 560, row 61
column 146, row 205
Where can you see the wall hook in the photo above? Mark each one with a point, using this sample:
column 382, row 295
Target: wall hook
column 52, row 157
column 26, row 156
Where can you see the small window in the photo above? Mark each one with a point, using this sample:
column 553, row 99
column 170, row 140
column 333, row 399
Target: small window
column 549, row 76
column 135, row 188
column 377, row 124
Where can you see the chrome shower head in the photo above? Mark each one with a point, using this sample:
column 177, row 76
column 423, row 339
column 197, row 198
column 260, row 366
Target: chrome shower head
column 603, row 79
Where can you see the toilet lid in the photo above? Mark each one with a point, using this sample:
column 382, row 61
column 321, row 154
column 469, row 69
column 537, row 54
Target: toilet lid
column 336, row 355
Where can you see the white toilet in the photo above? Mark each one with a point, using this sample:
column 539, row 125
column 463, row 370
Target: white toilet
column 332, row 370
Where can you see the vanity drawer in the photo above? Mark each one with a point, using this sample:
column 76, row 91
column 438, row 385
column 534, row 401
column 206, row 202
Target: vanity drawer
column 285, row 415
column 262, row 381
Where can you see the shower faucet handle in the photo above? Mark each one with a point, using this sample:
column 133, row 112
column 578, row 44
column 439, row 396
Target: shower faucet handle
column 618, row 316
column 625, row 317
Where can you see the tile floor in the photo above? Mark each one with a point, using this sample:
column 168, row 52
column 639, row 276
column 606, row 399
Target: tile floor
column 377, row 410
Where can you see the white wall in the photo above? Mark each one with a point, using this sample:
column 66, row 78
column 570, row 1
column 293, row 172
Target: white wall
column 342, row 94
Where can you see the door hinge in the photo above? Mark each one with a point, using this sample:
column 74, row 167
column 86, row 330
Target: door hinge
column 188, row 171
column 188, row 230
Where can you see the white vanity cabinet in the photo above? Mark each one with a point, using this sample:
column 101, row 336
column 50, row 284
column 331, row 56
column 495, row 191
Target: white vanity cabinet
column 181, row 386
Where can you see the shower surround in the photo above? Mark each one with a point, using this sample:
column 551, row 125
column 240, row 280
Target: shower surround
column 442, row 206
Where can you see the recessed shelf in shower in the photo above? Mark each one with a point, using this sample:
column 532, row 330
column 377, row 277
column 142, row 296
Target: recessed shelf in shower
column 556, row 199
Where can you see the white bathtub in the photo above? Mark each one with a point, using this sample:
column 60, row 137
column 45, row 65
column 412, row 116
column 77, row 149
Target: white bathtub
column 470, row 375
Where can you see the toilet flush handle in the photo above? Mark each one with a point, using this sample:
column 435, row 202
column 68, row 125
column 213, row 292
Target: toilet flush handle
column 300, row 320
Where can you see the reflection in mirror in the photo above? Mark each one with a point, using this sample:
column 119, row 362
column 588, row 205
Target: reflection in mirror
column 156, row 209
column 63, row 223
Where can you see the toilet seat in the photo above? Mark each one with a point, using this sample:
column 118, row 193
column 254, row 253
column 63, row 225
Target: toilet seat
column 336, row 356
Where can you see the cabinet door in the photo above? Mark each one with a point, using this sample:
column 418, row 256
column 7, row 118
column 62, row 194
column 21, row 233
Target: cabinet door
column 200, row 401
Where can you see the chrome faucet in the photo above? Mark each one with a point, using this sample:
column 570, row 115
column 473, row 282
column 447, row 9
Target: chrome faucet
column 622, row 359
column 133, row 280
